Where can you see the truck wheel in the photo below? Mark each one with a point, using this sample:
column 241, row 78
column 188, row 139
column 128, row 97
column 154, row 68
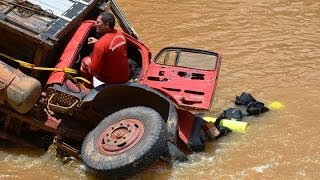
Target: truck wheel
column 125, row 143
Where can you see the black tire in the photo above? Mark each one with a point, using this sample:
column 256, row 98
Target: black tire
column 134, row 159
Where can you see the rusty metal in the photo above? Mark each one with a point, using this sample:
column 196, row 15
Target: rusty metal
column 52, row 122
column 3, row 88
column 66, row 148
column 15, row 139
column 172, row 125
column 29, row 119
column 120, row 136
column 7, row 122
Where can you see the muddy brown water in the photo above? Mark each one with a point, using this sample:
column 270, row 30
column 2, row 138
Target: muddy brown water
column 269, row 48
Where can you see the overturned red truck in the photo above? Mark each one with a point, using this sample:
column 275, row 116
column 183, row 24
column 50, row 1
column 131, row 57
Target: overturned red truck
column 117, row 130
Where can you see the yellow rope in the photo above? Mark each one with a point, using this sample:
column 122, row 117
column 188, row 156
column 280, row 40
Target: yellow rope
column 67, row 71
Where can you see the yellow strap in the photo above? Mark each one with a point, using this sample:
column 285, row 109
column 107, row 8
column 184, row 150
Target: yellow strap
column 67, row 71
column 32, row 66
column 82, row 79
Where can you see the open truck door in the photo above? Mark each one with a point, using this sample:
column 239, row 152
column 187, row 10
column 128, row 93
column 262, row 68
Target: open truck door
column 187, row 76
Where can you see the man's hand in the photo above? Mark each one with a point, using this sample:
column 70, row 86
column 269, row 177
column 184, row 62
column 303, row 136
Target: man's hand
column 84, row 66
column 92, row 40
column 86, row 61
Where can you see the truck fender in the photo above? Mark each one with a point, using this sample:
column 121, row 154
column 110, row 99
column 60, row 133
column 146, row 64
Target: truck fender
column 107, row 99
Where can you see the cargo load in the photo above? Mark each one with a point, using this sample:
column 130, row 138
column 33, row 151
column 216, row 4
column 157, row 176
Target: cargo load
column 19, row 91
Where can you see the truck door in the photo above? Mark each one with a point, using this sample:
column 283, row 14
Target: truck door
column 123, row 22
column 187, row 76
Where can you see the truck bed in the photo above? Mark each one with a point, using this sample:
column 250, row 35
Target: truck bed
column 36, row 30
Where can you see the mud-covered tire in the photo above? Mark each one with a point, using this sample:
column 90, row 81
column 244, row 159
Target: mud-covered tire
column 145, row 148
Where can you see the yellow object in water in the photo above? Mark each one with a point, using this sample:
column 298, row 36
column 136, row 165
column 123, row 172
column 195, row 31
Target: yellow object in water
column 235, row 126
column 275, row 105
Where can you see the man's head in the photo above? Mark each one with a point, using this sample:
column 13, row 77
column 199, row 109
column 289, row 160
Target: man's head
column 105, row 22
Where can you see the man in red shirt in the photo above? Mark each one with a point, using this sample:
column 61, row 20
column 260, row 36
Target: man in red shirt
column 108, row 62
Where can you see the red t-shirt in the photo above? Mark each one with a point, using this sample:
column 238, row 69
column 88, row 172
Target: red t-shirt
column 109, row 62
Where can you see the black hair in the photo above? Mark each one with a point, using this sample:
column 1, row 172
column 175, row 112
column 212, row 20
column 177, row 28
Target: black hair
column 108, row 17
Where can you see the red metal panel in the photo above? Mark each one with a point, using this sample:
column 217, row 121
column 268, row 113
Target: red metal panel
column 181, row 86
column 70, row 53
column 185, row 125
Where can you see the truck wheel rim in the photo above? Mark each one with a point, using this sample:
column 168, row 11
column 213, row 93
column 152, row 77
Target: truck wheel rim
column 120, row 136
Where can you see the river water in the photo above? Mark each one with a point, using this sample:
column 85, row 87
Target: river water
column 270, row 48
